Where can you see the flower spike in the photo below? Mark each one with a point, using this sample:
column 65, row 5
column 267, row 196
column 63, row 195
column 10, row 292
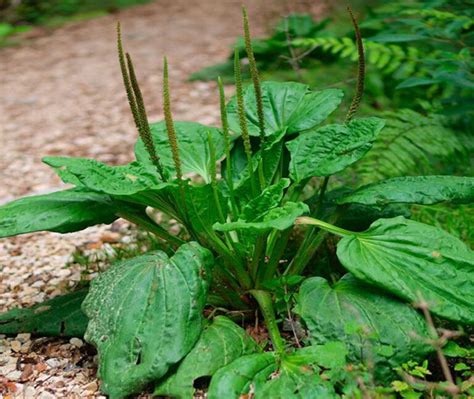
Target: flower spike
column 361, row 70
column 254, row 75
column 137, row 106
column 169, row 121
column 242, row 119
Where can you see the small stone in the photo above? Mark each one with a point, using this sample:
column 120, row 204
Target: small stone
column 40, row 367
column 53, row 363
column 46, row 395
column 27, row 372
column 110, row 236
column 14, row 375
column 23, row 337
column 29, row 392
column 16, row 345
column 91, row 387
column 76, row 342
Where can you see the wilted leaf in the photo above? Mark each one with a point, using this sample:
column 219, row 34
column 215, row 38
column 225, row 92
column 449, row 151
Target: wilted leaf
column 146, row 315
column 220, row 343
column 331, row 148
column 61, row 212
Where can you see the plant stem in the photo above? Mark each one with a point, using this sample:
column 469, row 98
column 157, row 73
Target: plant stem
column 228, row 161
column 277, row 252
column 257, row 254
column 215, row 192
column 265, row 303
column 322, row 192
column 146, row 223
column 326, row 226
column 243, row 120
column 306, row 251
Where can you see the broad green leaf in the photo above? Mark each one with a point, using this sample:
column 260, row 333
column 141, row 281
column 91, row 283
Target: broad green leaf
column 234, row 380
column 201, row 208
column 269, row 198
column 413, row 260
column 279, row 218
column 240, row 171
column 377, row 328
column 145, row 315
column 220, row 343
column 114, row 180
column 296, row 375
column 61, row 316
column 288, row 107
column 425, row 190
column 331, row 148
column 193, row 147
column 61, row 212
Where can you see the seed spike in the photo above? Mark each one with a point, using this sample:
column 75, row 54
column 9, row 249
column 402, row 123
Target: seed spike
column 254, row 75
column 225, row 128
column 361, row 70
column 126, row 79
column 169, row 121
column 242, row 119
column 144, row 128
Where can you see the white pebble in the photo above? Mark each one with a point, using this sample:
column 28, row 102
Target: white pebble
column 76, row 342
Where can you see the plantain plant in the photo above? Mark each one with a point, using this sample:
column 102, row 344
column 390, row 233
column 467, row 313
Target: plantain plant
column 259, row 217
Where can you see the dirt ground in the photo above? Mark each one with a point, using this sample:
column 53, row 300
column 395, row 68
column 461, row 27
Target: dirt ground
column 61, row 94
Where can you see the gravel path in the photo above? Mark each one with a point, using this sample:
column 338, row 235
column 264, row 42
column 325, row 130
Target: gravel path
column 62, row 94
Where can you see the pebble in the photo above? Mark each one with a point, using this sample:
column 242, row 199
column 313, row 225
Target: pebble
column 15, row 345
column 23, row 337
column 91, row 387
column 53, row 362
column 14, row 375
column 46, row 395
column 76, row 342
column 29, row 392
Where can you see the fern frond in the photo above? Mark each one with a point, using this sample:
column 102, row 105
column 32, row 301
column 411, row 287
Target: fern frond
column 383, row 57
column 455, row 219
column 410, row 144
